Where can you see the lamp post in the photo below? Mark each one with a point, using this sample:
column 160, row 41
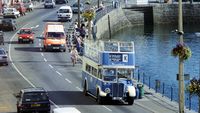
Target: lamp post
column 79, row 23
column 181, row 63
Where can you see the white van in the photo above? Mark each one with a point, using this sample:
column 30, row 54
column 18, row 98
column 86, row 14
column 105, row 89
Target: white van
column 49, row 4
column 65, row 13
column 66, row 110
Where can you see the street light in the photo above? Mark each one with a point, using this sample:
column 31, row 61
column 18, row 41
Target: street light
column 79, row 14
column 181, row 63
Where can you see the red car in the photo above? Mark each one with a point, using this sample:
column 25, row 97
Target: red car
column 26, row 34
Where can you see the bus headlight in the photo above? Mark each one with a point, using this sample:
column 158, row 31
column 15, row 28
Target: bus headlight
column 20, row 37
column 107, row 90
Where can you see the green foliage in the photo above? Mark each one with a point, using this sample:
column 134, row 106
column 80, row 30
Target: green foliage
column 89, row 14
column 194, row 87
column 182, row 51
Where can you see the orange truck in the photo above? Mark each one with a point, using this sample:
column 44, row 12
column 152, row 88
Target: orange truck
column 54, row 36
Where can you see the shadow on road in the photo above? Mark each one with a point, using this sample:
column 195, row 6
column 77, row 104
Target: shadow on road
column 75, row 98
column 50, row 20
column 29, row 49
column 11, row 42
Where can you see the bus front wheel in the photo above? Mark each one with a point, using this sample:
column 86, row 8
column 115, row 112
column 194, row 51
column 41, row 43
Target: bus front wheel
column 99, row 99
column 130, row 100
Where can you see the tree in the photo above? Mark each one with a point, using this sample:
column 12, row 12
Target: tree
column 194, row 88
column 89, row 16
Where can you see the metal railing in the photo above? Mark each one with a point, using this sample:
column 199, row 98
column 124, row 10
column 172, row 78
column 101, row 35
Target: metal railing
column 102, row 12
column 166, row 89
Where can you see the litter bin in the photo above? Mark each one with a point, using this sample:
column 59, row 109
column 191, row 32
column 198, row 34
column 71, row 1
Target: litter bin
column 141, row 90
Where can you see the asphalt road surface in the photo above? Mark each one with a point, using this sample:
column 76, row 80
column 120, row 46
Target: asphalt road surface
column 29, row 66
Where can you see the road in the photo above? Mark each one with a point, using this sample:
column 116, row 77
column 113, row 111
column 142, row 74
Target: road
column 29, row 66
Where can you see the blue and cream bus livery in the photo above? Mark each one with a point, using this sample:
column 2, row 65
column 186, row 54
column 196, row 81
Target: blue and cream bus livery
column 107, row 71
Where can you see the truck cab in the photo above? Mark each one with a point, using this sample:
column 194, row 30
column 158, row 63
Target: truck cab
column 20, row 7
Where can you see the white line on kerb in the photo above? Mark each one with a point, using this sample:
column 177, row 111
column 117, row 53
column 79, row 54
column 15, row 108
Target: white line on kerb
column 15, row 67
column 59, row 73
column 107, row 108
column 45, row 59
column 78, row 88
column 42, row 54
column 68, row 80
column 50, row 66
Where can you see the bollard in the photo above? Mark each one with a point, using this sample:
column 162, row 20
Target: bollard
column 143, row 78
column 138, row 75
column 149, row 82
column 163, row 92
column 171, row 93
column 189, row 101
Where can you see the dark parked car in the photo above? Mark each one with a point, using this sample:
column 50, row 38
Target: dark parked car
column 61, row 1
column 33, row 100
column 8, row 24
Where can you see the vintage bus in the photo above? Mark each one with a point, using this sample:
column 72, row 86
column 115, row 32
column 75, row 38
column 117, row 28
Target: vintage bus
column 107, row 71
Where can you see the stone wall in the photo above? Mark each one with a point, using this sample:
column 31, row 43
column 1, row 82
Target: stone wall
column 119, row 19
column 168, row 14
column 162, row 14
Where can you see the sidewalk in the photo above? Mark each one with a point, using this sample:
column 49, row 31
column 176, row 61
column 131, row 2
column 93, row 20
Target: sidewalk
column 156, row 103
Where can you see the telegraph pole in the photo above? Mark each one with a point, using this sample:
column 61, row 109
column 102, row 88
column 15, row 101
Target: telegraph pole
column 79, row 23
column 181, row 63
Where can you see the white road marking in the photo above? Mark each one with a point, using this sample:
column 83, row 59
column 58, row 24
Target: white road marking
column 50, row 66
column 40, row 49
column 14, row 66
column 40, row 44
column 40, row 39
column 59, row 73
column 45, row 59
column 78, row 88
column 107, row 108
column 68, row 80
column 42, row 54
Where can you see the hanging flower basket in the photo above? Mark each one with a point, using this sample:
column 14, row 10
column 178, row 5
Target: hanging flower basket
column 182, row 51
column 194, row 86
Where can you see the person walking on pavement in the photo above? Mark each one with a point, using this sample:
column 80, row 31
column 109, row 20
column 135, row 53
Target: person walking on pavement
column 74, row 55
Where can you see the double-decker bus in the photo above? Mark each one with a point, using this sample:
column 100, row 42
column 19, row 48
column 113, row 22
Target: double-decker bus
column 108, row 68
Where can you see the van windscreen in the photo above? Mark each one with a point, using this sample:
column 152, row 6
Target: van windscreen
column 64, row 11
column 55, row 34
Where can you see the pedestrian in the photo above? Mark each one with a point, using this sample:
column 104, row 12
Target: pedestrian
column 74, row 55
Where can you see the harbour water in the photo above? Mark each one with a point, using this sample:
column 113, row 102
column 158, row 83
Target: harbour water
column 153, row 47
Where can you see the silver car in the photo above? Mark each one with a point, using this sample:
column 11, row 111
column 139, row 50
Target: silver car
column 75, row 8
column 3, row 57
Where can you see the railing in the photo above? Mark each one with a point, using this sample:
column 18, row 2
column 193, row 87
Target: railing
column 102, row 12
column 166, row 89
